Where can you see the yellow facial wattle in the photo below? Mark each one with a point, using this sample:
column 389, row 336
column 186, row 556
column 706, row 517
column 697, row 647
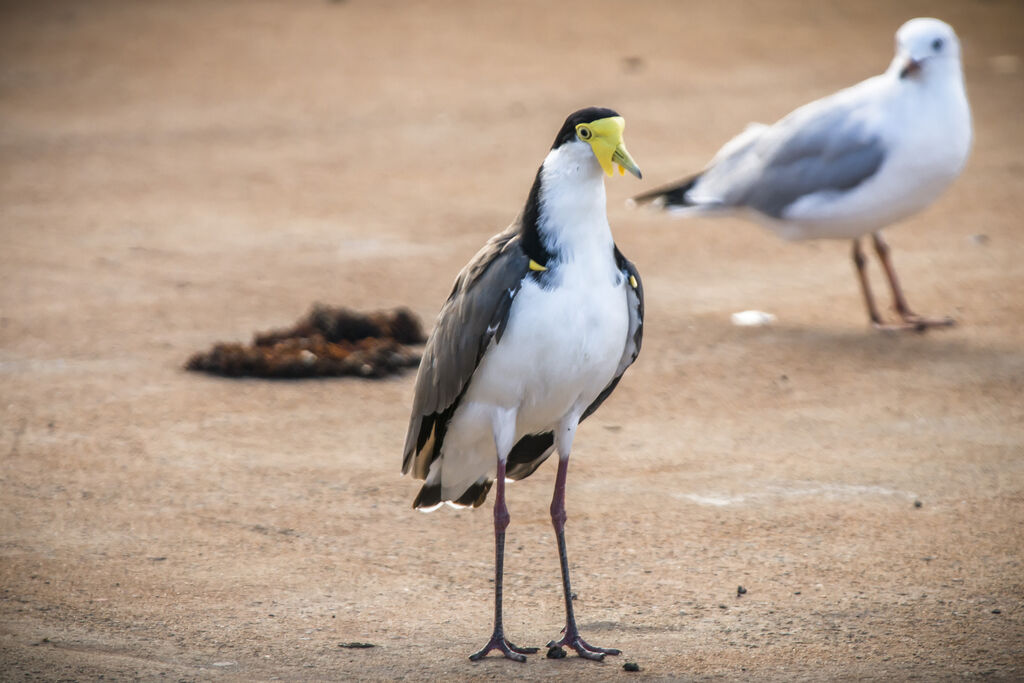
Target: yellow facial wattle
column 605, row 138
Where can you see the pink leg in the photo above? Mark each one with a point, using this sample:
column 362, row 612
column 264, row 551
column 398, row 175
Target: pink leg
column 912, row 319
column 501, row 520
column 859, row 261
column 572, row 635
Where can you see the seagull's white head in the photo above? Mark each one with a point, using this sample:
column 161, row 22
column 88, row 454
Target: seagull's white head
column 925, row 46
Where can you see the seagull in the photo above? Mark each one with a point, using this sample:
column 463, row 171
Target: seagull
column 536, row 334
column 849, row 164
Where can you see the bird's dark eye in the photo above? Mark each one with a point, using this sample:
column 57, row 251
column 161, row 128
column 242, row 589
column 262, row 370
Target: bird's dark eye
column 937, row 44
column 583, row 132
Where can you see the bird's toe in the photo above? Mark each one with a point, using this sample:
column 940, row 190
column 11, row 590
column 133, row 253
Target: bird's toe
column 498, row 642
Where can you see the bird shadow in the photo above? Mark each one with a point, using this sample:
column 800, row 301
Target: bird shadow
column 885, row 350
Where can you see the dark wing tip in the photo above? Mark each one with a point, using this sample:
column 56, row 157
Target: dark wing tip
column 528, row 454
column 428, row 497
column 475, row 495
column 670, row 195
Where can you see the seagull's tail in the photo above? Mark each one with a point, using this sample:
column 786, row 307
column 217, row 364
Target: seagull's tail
column 672, row 196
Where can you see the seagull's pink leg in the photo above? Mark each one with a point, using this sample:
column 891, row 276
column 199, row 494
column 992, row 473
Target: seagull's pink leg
column 860, row 262
column 912, row 319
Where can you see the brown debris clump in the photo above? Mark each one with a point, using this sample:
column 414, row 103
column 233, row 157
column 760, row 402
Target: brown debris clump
column 328, row 342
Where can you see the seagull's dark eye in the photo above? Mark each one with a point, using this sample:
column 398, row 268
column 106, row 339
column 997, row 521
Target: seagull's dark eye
column 583, row 133
column 937, row 44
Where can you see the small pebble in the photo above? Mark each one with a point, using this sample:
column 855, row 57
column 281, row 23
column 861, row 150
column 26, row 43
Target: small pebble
column 630, row 666
column 997, row 611
column 918, row 503
column 555, row 653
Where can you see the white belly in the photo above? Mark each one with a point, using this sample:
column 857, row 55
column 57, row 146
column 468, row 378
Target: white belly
column 560, row 351
column 898, row 190
column 561, row 348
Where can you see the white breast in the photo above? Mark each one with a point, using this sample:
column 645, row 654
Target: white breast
column 561, row 349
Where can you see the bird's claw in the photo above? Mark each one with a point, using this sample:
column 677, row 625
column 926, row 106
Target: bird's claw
column 585, row 649
column 498, row 642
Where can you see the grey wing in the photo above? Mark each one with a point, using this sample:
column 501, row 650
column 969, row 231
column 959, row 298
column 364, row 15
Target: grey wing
column 475, row 313
column 533, row 449
column 824, row 146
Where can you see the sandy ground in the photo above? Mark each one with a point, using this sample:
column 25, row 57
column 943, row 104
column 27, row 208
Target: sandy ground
column 178, row 173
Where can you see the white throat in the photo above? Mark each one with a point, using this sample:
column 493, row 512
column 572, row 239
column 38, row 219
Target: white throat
column 572, row 216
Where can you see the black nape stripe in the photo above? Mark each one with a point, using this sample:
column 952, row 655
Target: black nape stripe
column 530, row 238
column 531, row 241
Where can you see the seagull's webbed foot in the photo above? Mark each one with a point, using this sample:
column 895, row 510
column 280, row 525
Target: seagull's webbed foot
column 911, row 321
column 921, row 323
column 583, row 648
column 914, row 323
column 498, row 642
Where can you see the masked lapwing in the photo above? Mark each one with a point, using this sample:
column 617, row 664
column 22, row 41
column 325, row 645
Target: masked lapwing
column 535, row 335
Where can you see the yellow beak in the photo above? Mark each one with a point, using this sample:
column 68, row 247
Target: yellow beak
column 606, row 141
